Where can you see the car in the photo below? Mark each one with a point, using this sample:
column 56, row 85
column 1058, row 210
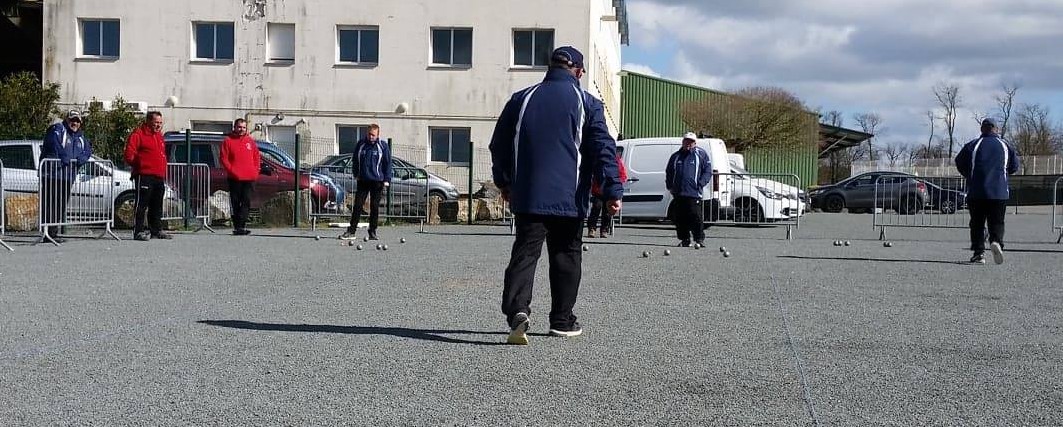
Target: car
column 771, row 200
column 21, row 159
column 946, row 200
column 408, row 181
column 277, row 170
column 897, row 191
column 645, row 195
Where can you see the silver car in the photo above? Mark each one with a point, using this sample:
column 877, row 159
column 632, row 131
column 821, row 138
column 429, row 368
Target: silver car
column 409, row 184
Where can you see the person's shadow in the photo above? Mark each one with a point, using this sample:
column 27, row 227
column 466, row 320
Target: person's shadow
column 419, row 334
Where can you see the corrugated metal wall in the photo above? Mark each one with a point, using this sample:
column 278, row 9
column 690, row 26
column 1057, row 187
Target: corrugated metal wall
column 649, row 107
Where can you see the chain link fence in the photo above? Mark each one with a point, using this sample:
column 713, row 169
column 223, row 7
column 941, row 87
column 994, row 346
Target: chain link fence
column 3, row 208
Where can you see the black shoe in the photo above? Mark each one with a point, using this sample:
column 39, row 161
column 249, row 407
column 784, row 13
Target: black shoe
column 700, row 243
column 347, row 235
column 241, row 232
column 142, row 236
column 518, row 329
column 372, row 235
column 978, row 258
column 161, row 235
column 684, row 244
column 569, row 331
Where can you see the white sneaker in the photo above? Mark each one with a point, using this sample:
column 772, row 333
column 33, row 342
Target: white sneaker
column 998, row 252
column 518, row 334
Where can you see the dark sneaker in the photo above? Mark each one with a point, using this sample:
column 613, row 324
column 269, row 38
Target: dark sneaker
column 684, row 244
column 700, row 243
column 998, row 252
column 978, row 259
column 161, row 235
column 347, row 235
column 142, row 236
column 603, row 235
column 242, row 232
column 518, row 330
column 572, row 331
column 590, row 234
column 372, row 235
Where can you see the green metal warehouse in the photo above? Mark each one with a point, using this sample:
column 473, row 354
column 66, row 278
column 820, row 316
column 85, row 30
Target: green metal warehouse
column 649, row 107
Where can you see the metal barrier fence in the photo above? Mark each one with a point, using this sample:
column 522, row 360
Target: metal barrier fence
column 1057, row 210
column 70, row 196
column 192, row 185
column 407, row 197
column 3, row 211
column 1031, row 165
column 918, row 202
column 757, row 199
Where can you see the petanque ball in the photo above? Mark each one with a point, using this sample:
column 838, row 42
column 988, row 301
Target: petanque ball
column 645, row 254
column 317, row 237
column 351, row 243
column 402, row 240
column 723, row 249
column 726, row 254
column 667, row 252
column 847, row 243
column 385, row 247
column 359, row 247
column 585, row 248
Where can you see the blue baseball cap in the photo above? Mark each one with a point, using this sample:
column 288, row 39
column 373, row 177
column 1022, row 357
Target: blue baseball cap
column 989, row 122
column 567, row 55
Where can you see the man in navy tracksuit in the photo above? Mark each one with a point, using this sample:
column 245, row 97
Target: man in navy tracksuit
column 66, row 143
column 689, row 170
column 371, row 164
column 986, row 162
column 550, row 141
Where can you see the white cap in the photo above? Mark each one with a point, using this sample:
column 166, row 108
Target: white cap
column 690, row 135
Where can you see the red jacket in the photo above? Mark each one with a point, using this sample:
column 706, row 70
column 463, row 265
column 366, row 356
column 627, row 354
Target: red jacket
column 240, row 157
column 146, row 153
column 596, row 188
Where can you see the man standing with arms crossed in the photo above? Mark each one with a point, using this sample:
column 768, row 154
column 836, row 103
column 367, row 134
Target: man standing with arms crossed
column 689, row 170
column 145, row 152
column 242, row 162
column 986, row 163
column 371, row 166
column 550, row 141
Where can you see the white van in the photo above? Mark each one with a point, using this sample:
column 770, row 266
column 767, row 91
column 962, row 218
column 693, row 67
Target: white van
column 645, row 196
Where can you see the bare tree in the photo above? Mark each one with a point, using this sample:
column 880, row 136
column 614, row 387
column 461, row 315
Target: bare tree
column 913, row 152
column 931, row 120
column 1005, row 100
column 754, row 117
column 948, row 97
column 894, row 152
column 870, row 123
column 834, row 118
column 1034, row 133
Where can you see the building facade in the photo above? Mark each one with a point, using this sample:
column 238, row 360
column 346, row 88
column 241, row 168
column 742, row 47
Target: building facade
column 433, row 73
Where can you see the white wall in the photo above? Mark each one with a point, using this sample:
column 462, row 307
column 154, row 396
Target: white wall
column 314, row 93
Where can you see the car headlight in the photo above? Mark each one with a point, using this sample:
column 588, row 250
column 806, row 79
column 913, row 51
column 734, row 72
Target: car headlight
column 769, row 194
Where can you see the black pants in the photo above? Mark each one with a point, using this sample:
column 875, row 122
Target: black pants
column 373, row 189
column 55, row 193
column 688, row 218
column 599, row 212
column 564, row 246
column 986, row 213
column 240, row 202
column 150, row 191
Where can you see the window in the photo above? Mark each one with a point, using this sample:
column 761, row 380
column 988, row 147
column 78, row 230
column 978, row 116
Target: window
column 358, row 45
column 273, row 157
column 450, row 145
column 17, row 157
column 281, row 41
column 532, row 48
column 284, row 138
column 223, row 127
column 201, row 153
column 99, row 38
column 452, row 46
column 213, row 41
column 651, row 158
column 349, row 135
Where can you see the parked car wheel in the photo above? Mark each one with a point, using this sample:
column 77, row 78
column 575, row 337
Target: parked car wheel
column 909, row 205
column 748, row 210
column 125, row 207
column 833, row 204
column 948, row 207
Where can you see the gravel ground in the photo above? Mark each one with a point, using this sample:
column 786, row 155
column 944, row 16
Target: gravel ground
column 281, row 329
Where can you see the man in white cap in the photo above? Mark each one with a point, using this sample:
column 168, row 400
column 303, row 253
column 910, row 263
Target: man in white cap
column 66, row 144
column 689, row 170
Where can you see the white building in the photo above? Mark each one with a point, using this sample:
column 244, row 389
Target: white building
column 433, row 73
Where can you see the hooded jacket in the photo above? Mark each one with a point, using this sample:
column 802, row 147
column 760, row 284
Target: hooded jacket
column 240, row 157
column 145, row 152
column 688, row 172
column 550, row 140
column 986, row 162
column 71, row 148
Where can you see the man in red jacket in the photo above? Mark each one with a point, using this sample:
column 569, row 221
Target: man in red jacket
column 146, row 154
column 242, row 162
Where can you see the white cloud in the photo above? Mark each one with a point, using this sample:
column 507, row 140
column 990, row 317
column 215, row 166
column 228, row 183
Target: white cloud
column 641, row 69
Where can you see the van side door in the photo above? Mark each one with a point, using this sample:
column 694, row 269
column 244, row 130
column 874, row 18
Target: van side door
column 645, row 195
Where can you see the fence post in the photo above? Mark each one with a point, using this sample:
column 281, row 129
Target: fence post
column 188, row 174
column 469, row 204
column 387, row 197
column 298, row 196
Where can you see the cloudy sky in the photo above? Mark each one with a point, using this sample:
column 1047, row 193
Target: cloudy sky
column 857, row 56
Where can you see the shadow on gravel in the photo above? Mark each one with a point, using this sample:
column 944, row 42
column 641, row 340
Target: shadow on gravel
column 1033, row 251
column 439, row 233
column 921, row 261
column 419, row 334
